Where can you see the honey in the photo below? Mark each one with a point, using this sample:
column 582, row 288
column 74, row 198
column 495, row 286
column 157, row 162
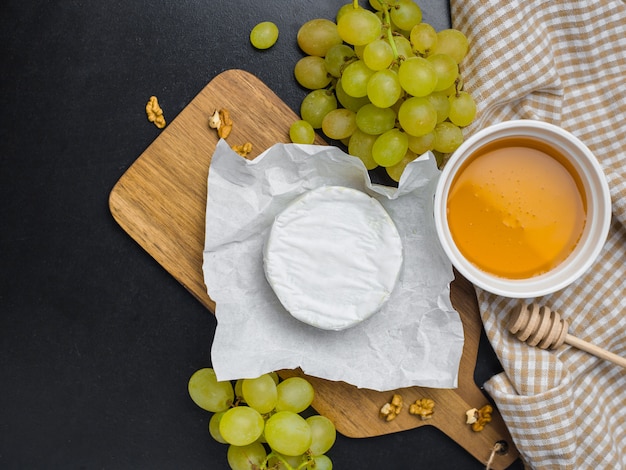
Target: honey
column 516, row 208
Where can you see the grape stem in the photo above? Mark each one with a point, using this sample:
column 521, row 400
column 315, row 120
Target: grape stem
column 286, row 464
column 387, row 25
column 355, row 4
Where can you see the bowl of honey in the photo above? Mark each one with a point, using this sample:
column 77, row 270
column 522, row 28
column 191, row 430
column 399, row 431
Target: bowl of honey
column 522, row 208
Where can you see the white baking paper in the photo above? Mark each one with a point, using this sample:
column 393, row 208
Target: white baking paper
column 415, row 339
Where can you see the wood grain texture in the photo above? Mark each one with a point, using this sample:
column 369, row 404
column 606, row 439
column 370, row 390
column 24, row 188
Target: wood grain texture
column 160, row 202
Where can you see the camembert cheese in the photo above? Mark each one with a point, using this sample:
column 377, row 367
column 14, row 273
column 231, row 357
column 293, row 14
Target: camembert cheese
column 333, row 257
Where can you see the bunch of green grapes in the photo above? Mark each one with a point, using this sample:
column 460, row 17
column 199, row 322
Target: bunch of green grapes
column 383, row 83
column 261, row 421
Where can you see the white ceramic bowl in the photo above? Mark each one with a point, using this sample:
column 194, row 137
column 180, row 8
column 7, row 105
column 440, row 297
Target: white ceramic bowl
column 598, row 204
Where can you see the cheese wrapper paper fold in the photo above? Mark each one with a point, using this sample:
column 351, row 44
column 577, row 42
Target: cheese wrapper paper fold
column 416, row 339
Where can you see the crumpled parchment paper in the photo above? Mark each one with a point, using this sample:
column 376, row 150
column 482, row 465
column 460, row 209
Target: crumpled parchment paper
column 415, row 339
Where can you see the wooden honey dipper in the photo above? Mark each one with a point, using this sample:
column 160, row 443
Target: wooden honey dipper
column 539, row 326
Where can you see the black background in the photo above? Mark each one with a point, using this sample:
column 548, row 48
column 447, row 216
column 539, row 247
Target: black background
column 97, row 341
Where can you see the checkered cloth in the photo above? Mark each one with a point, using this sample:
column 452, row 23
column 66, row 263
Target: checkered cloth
column 564, row 62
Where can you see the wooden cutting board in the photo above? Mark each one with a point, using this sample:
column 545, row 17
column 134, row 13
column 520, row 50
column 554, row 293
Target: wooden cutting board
column 161, row 200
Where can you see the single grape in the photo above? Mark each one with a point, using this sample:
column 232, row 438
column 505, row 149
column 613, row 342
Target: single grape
column 395, row 171
column 383, row 88
column 301, row 132
column 406, row 14
column 246, row 457
column 339, row 123
column 451, row 42
column 241, row 425
column 359, row 27
column 310, row 72
column 441, row 103
column 294, row 394
column 274, row 376
column 390, row 147
column 355, row 77
column 448, row 137
column 446, row 68
column 343, row 10
column 288, row 433
column 260, row 393
column 276, row 463
column 462, row 108
column 360, row 146
column 421, row 144
column 214, row 427
column 403, row 46
column 374, row 120
column 417, row 76
column 417, row 116
column 316, row 105
column 423, row 38
column 323, row 434
column 238, row 391
column 347, row 101
column 317, row 36
column 208, row 393
column 264, row 35
column 323, row 462
column 378, row 54
column 337, row 58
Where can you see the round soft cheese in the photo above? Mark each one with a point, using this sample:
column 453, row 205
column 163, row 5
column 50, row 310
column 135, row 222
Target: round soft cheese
column 333, row 257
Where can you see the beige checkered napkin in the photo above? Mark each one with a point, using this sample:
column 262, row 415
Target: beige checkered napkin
column 563, row 62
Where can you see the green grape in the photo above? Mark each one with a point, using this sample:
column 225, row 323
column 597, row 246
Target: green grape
column 241, row 425
column 417, row 116
column 448, row 137
column 423, row 38
column 337, row 57
column 462, row 109
column 316, row 36
column 360, row 146
column 274, row 376
column 316, row 105
column 378, row 54
column 339, row 123
column 260, row 393
column 358, row 50
column 343, row 10
column 406, row 14
column 403, row 46
column 451, row 42
column 323, row 434
column 310, row 72
column 238, row 391
column 277, row 461
column 214, row 427
column 347, row 101
column 395, row 171
column 446, row 69
column 390, row 147
column 355, row 77
column 441, row 103
column 247, row 457
column 294, row 394
column 323, row 462
column 383, row 88
column 374, row 120
column 208, row 393
column 359, row 27
column 417, row 76
column 422, row 143
column 288, row 433
column 301, row 132
column 264, row 35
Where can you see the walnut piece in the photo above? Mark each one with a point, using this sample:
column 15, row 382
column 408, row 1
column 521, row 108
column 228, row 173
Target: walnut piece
column 390, row 410
column 483, row 417
column 155, row 113
column 423, row 408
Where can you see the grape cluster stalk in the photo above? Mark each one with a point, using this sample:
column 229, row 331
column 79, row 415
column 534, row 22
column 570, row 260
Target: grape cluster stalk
column 261, row 421
column 385, row 84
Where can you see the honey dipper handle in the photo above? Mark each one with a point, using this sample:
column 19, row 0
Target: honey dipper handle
column 595, row 350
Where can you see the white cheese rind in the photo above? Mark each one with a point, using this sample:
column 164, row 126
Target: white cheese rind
column 333, row 257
